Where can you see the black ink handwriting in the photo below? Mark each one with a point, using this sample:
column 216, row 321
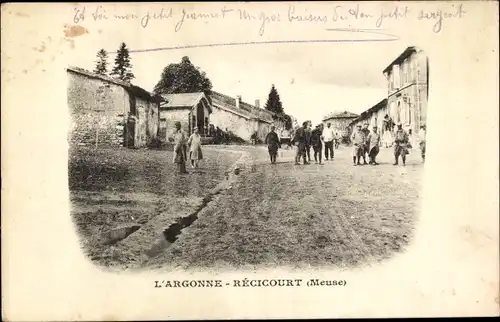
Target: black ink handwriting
column 440, row 15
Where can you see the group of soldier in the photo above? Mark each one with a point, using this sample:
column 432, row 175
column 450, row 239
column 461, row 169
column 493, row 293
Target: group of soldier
column 365, row 143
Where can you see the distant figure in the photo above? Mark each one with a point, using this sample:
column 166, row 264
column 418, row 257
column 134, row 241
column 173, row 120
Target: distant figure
column 317, row 144
column 285, row 138
column 194, row 143
column 227, row 138
column 299, row 140
column 421, row 138
column 387, row 128
column 336, row 140
column 400, row 145
column 218, row 135
column 358, row 139
column 328, row 137
column 273, row 144
column 373, row 141
column 366, row 132
column 308, row 131
column 254, row 138
column 180, row 148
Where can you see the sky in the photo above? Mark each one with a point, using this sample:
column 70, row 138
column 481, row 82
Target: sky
column 312, row 79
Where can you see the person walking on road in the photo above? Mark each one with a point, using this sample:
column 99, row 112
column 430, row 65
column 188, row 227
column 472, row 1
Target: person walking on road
column 400, row 145
column 317, row 144
column 373, row 141
column 358, row 139
column 194, row 143
column 273, row 143
column 299, row 140
column 180, row 148
column 328, row 137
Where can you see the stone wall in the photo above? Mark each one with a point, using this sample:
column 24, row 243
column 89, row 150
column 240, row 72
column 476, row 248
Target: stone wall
column 167, row 127
column 86, row 95
column 263, row 128
column 238, row 125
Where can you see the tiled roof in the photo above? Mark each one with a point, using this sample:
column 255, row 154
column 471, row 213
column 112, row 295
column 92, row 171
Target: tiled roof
column 340, row 115
column 368, row 112
column 407, row 53
column 133, row 89
column 246, row 110
column 181, row 100
column 90, row 74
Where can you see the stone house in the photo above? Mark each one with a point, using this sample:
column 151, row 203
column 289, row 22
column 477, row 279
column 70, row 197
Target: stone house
column 109, row 111
column 373, row 116
column 190, row 109
column 227, row 113
column 240, row 118
column 408, row 88
column 340, row 122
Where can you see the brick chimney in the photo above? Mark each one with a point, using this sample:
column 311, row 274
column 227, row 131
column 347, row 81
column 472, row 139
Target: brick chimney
column 238, row 101
column 257, row 103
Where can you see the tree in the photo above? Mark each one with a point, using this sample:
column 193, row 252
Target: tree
column 123, row 67
column 183, row 78
column 273, row 103
column 101, row 66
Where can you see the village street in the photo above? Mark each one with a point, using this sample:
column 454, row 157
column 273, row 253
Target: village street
column 284, row 214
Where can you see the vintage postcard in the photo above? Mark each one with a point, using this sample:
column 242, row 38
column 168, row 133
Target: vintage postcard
column 234, row 160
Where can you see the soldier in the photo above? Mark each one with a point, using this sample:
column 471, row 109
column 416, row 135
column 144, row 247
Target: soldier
column 317, row 144
column 300, row 140
column 273, row 144
column 358, row 139
column 373, row 141
column 366, row 132
column 400, row 145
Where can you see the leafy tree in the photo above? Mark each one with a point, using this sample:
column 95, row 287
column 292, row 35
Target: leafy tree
column 123, row 67
column 101, row 66
column 183, row 78
column 273, row 103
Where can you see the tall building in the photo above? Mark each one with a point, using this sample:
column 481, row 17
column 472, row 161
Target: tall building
column 408, row 88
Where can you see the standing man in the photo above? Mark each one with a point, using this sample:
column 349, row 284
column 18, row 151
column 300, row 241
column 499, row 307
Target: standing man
column 273, row 144
column 421, row 138
column 373, row 142
column 299, row 140
column 308, row 140
column 358, row 139
column 387, row 128
column 400, row 142
column 366, row 132
column 317, row 144
column 180, row 148
column 328, row 137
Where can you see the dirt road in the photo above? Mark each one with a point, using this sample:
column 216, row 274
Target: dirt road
column 333, row 214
